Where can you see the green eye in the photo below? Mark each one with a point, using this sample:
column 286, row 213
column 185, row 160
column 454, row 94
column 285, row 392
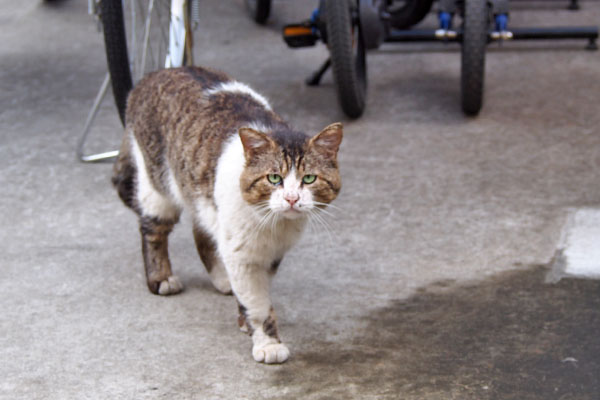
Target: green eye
column 274, row 179
column 308, row 179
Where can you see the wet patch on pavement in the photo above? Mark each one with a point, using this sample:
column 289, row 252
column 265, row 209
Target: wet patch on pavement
column 510, row 337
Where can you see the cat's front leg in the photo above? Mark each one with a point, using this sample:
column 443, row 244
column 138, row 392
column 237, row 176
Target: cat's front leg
column 250, row 283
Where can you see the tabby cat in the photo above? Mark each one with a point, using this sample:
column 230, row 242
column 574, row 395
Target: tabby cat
column 197, row 140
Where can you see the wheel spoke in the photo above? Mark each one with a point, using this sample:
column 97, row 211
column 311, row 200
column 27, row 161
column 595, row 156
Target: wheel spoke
column 146, row 35
column 164, row 36
column 136, row 34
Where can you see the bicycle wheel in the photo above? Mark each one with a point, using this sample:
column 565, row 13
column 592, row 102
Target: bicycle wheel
column 141, row 37
column 475, row 36
column 348, row 57
column 404, row 14
column 259, row 10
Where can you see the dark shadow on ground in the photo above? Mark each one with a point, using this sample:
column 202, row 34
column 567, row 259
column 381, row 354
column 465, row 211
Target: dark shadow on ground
column 511, row 337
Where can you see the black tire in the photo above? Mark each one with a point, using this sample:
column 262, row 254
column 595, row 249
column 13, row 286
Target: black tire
column 348, row 57
column 259, row 10
column 125, row 67
column 115, row 44
column 475, row 37
column 405, row 14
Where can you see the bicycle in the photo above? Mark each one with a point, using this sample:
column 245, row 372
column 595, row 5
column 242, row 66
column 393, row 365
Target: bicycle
column 139, row 37
column 351, row 27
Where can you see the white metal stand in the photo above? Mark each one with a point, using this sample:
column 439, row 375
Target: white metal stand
column 100, row 157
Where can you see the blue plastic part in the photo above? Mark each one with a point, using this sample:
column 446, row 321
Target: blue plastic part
column 501, row 22
column 314, row 17
column 445, row 20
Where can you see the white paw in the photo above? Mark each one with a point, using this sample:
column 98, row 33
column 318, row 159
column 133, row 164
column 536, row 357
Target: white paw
column 220, row 280
column 271, row 353
column 171, row 286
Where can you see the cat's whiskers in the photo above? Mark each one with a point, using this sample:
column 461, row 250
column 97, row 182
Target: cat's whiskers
column 262, row 206
column 324, row 206
column 318, row 227
column 269, row 219
column 325, row 211
column 264, row 214
column 264, row 222
column 316, row 214
column 316, row 220
column 312, row 224
column 275, row 225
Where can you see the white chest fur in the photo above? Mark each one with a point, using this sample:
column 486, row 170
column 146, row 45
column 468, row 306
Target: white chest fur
column 236, row 222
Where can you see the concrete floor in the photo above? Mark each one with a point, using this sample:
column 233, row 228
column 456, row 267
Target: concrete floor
column 430, row 285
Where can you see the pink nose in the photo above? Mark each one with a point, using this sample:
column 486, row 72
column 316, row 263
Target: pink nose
column 291, row 198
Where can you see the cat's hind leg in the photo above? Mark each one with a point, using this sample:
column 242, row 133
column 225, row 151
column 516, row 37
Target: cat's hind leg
column 124, row 174
column 157, row 216
column 159, row 277
column 211, row 260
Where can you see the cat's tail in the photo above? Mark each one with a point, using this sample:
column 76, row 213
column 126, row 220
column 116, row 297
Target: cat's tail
column 124, row 172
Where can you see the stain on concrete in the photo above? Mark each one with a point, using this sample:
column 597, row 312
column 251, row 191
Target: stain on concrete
column 511, row 337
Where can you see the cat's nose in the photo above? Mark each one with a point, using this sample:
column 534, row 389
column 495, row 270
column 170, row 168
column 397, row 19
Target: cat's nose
column 291, row 198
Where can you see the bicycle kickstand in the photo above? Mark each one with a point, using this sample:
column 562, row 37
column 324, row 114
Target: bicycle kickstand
column 316, row 76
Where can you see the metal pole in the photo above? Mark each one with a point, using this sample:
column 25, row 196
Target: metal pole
column 88, row 123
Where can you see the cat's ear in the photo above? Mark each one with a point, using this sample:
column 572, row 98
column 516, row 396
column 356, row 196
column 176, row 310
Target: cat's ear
column 328, row 140
column 254, row 142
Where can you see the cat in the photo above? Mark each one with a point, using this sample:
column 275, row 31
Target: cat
column 195, row 139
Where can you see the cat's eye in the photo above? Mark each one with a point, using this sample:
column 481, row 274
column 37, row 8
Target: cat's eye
column 308, row 179
column 274, row 179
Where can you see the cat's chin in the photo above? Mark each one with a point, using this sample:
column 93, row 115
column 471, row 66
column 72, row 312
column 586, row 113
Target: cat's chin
column 292, row 214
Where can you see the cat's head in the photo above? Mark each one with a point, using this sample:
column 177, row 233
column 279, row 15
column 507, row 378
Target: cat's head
column 288, row 172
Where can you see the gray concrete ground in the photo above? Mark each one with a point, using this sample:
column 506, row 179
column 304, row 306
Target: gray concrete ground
column 430, row 284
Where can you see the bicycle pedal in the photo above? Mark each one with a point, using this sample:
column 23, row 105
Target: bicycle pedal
column 300, row 35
